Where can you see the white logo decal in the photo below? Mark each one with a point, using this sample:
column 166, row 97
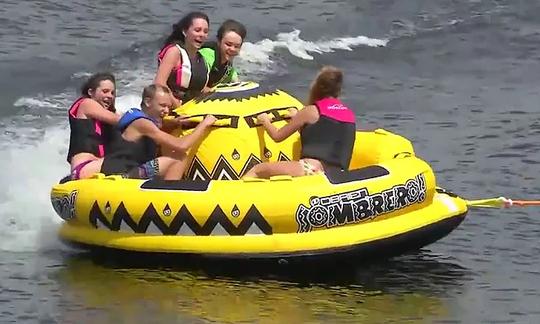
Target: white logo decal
column 358, row 205
column 64, row 206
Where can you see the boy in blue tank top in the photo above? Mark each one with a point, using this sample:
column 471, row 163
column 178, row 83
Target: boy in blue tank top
column 134, row 155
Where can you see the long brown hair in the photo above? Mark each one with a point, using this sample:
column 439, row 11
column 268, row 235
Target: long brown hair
column 327, row 84
column 234, row 26
column 94, row 82
column 177, row 35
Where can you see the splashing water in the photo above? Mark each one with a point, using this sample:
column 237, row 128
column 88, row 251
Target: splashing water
column 27, row 173
column 257, row 57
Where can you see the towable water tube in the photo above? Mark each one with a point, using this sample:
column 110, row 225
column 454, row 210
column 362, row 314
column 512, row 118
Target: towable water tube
column 387, row 202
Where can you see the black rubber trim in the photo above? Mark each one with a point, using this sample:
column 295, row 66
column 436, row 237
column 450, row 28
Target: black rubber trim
column 186, row 185
column 65, row 179
column 374, row 250
column 446, row 192
column 337, row 176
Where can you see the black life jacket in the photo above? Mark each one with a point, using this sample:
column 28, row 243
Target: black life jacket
column 330, row 139
column 126, row 155
column 87, row 135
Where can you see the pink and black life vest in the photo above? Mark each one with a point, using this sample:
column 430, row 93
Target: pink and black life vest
column 188, row 78
column 330, row 139
column 87, row 135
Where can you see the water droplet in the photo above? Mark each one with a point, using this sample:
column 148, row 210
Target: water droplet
column 167, row 210
column 235, row 155
column 235, row 211
column 267, row 153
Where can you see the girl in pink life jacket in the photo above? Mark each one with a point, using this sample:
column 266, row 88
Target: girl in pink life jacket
column 90, row 119
column 180, row 65
column 327, row 131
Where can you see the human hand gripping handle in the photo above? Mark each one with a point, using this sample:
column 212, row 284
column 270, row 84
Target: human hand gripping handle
column 292, row 112
column 181, row 120
column 187, row 141
column 264, row 118
column 266, row 121
column 209, row 120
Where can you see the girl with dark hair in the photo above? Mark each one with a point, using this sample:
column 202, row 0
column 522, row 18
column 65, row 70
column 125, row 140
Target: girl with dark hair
column 180, row 65
column 90, row 119
column 219, row 55
column 327, row 131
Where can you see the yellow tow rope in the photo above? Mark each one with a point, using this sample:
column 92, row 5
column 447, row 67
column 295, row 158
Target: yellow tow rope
column 501, row 202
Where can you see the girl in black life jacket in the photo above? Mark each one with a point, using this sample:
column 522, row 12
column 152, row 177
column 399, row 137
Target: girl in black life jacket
column 327, row 131
column 91, row 121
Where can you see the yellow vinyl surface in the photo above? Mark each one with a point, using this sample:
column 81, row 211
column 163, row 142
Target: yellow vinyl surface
column 215, row 213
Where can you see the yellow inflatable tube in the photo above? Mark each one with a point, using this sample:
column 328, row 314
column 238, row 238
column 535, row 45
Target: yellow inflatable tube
column 385, row 204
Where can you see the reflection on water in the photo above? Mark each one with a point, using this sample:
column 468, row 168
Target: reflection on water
column 413, row 287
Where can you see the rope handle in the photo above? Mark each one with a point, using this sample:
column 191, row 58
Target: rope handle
column 502, row 202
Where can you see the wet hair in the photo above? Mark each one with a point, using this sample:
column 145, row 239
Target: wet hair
column 327, row 84
column 231, row 25
column 93, row 82
column 178, row 29
column 150, row 92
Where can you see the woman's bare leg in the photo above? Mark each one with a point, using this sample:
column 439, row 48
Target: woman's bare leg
column 171, row 169
column 268, row 169
column 91, row 168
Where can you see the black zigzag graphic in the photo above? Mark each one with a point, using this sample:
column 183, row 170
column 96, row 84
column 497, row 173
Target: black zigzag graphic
column 236, row 95
column 197, row 171
column 250, row 163
column 223, row 170
column 283, row 157
column 151, row 217
column 120, row 214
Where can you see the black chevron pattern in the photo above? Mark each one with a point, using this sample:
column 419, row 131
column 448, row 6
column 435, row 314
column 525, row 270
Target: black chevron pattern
column 236, row 95
column 283, row 157
column 151, row 217
column 223, row 170
column 251, row 161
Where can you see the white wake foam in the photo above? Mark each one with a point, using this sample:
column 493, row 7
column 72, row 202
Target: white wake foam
column 258, row 56
column 27, row 173
column 42, row 101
